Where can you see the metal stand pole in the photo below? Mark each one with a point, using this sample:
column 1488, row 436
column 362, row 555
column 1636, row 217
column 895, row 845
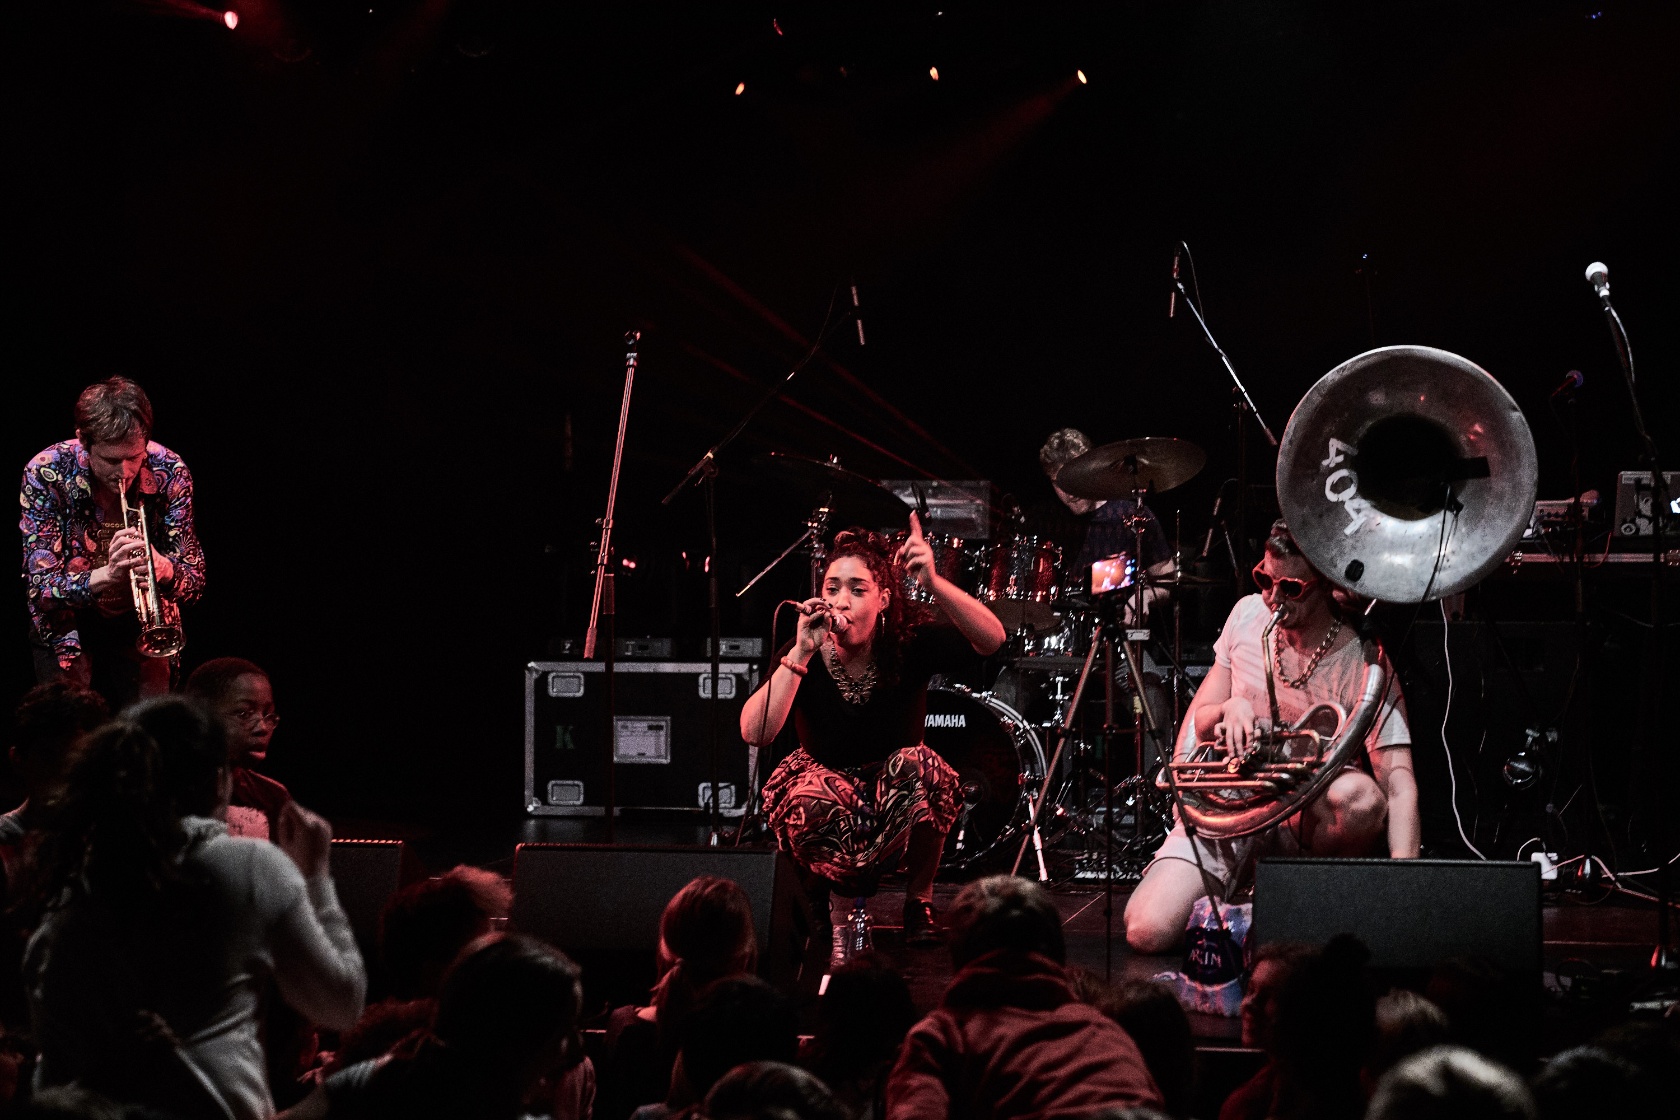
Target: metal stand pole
column 1109, row 730
column 606, row 599
column 1664, row 959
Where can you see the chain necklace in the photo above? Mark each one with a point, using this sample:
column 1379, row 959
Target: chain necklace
column 854, row 690
column 1312, row 663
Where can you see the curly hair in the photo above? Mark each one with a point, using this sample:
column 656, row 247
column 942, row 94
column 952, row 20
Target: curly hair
column 115, row 828
column 903, row 615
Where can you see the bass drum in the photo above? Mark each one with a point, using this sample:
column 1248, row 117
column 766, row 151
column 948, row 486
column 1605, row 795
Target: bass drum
column 999, row 759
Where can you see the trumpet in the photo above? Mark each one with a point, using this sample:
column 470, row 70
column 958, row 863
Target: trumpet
column 157, row 637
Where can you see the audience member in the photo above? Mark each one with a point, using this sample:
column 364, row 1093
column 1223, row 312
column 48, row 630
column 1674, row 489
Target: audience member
column 773, row 1091
column 241, row 695
column 159, row 928
column 1488, row 1010
column 1450, row 1083
column 72, row 1103
column 51, row 719
column 422, row 930
column 862, row 1019
column 505, row 1031
column 1407, row 1024
column 735, row 1020
column 1295, row 993
column 1009, row 1040
column 1628, row 1070
column 1152, row 1016
column 425, row 925
column 705, row 934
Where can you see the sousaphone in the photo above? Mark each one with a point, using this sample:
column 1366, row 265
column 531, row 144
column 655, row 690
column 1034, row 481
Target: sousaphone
column 1406, row 474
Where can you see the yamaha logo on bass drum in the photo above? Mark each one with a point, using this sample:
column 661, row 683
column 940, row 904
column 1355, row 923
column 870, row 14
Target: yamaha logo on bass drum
column 946, row 719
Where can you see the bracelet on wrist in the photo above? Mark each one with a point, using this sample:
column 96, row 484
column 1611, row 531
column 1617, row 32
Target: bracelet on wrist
column 794, row 667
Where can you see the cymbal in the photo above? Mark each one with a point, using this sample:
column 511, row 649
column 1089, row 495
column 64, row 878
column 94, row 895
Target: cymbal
column 1114, row 470
column 853, row 498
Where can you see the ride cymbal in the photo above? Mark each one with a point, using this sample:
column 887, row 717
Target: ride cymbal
column 1116, row 470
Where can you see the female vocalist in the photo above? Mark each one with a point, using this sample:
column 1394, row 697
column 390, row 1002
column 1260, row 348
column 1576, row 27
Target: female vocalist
column 863, row 795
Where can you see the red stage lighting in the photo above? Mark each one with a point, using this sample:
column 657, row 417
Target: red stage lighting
column 740, row 88
column 231, row 18
column 933, row 72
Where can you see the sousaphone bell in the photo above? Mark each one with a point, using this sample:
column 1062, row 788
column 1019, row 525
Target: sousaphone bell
column 1406, row 474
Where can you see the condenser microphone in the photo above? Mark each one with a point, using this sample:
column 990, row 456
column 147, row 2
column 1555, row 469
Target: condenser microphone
column 1172, row 297
column 1571, row 382
column 857, row 314
column 1598, row 275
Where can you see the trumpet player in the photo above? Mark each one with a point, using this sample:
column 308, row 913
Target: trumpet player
column 1370, row 808
column 88, row 575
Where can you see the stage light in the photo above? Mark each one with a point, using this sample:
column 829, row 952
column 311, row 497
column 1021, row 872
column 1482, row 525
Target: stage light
column 740, row 88
column 231, row 18
column 777, row 24
column 933, row 72
column 1080, row 74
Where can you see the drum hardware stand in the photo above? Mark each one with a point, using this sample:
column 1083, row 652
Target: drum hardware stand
column 1245, row 409
column 704, row 475
column 1665, row 959
column 605, row 604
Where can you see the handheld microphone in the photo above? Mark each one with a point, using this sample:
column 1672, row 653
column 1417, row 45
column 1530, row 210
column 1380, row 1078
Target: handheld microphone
column 1598, row 275
column 857, row 315
column 837, row 622
column 1172, row 297
column 1571, row 382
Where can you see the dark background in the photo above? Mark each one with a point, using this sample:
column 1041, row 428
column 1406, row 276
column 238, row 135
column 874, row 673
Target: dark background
column 374, row 268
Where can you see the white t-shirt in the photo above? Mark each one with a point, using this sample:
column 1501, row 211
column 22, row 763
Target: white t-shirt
column 1339, row 679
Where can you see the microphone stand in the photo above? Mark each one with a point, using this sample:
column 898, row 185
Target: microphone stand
column 605, row 604
column 1245, row 409
column 1665, row 961
column 704, row 474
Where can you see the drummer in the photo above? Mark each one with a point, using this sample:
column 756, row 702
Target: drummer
column 863, row 795
column 1089, row 529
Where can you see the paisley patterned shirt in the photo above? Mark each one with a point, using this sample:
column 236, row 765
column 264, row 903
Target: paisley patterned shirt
column 64, row 539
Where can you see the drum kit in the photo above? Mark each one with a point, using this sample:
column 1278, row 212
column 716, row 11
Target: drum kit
column 1005, row 740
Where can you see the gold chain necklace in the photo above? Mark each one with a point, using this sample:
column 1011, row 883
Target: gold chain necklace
column 854, row 690
column 1318, row 655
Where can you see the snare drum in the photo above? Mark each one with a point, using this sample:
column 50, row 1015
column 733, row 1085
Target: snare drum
column 999, row 759
column 1023, row 582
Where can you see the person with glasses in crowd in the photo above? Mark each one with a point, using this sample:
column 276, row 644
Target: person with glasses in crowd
column 240, row 693
column 1369, row 808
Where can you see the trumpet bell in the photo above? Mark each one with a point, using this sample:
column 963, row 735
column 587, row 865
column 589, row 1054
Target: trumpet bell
column 161, row 641
column 1407, row 474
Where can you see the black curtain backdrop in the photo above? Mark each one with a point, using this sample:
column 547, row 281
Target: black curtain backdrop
column 374, row 268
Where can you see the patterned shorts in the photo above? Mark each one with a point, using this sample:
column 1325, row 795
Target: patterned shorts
column 852, row 826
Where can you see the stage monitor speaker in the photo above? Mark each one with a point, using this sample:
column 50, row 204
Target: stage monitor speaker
column 1411, row 913
column 367, row 873
column 602, row 905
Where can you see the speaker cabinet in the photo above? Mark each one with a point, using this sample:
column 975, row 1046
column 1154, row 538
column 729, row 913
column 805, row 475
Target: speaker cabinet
column 367, row 873
column 602, row 904
column 1411, row 913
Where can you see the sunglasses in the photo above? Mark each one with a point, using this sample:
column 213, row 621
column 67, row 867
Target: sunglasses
column 1287, row 588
